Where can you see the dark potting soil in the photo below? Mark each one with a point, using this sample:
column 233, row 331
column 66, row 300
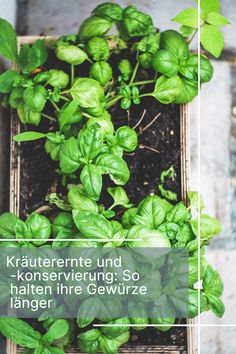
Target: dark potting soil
column 159, row 148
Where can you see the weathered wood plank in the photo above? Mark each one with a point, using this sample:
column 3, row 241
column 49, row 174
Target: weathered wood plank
column 165, row 349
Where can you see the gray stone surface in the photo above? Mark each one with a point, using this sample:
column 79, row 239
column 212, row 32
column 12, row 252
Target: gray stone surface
column 217, row 177
column 222, row 339
column 215, row 125
column 8, row 10
column 225, row 262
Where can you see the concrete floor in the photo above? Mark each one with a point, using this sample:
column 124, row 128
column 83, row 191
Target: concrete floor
column 218, row 134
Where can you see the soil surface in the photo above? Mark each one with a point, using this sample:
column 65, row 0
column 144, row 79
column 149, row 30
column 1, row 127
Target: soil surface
column 159, row 148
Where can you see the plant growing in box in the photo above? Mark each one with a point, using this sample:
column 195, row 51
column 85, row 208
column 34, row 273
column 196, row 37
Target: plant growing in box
column 92, row 76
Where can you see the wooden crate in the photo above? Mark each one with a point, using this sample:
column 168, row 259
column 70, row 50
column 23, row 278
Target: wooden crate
column 11, row 348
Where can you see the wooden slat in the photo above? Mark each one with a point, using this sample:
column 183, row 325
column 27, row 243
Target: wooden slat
column 153, row 349
column 185, row 176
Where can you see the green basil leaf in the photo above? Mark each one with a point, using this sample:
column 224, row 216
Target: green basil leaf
column 186, row 31
column 193, row 201
column 216, row 305
column 39, row 227
column 53, row 198
column 41, row 77
column 119, row 197
column 7, row 225
column 178, row 214
column 167, row 90
column 35, row 98
column 68, row 115
column 167, row 194
column 29, row 136
column 190, row 69
column 141, row 321
column 136, row 23
column 91, row 179
column 63, row 226
column 86, row 312
column 79, row 200
column 94, row 26
column 9, row 244
column 116, row 150
column 32, row 57
column 19, row 332
column 109, row 11
column 209, row 227
column 124, row 338
column 149, row 238
column 216, row 19
column 193, row 309
column 125, row 68
column 116, row 226
column 210, row 6
column 40, row 52
column 8, row 42
column 91, row 225
column 127, row 217
column 90, row 142
column 152, row 211
column 53, row 149
column 98, row 49
column 105, row 123
column 212, row 282
column 212, row 40
column 115, row 166
column 108, row 345
column 57, row 330
column 193, row 270
column 145, row 60
column 115, row 331
column 58, row 78
column 101, row 72
column 16, row 97
column 71, row 54
column 70, row 156
column 87, row 92
column 7, row 80
column 28, row 116
column 189, row 90
column 96, row 111
column 89, row 336
column 189, row 17
column 22, row 231
column 170, row 229
column 165, row 62
column 185, row 236
column 160, row 321
column 84, row 321
column 90, row 347
column 127, row 138
column 149, row 44
column 174, row 42
column 88, row 341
